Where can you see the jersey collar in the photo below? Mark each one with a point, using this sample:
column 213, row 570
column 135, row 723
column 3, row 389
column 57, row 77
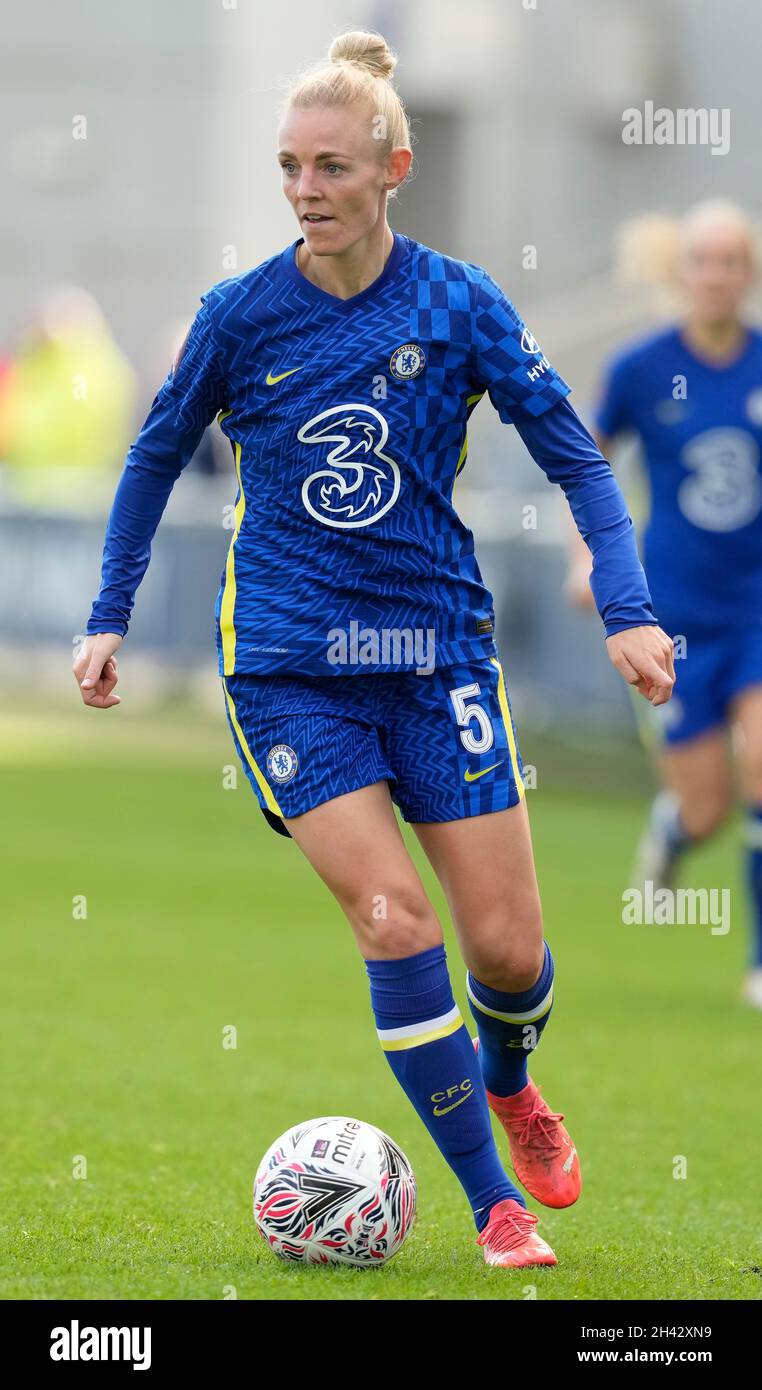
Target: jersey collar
column 715, row 366
column 323, row 297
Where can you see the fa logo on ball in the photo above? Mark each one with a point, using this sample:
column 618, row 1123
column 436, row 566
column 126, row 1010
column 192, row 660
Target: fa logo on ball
column 282, row 763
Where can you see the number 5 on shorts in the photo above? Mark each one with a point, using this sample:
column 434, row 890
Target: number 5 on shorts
column 465, row 713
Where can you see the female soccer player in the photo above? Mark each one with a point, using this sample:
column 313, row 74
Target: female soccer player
column 692, row 393
column 355, row 635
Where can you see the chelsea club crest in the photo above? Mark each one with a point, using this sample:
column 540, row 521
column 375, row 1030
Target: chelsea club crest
column 282, row 763
column 408, row 361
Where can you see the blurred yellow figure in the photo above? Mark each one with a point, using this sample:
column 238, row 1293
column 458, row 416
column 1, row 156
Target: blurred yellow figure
column 66, row 405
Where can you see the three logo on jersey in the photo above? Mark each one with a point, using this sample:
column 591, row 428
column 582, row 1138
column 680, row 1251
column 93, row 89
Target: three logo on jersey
column 722, row 490
column 358, row 482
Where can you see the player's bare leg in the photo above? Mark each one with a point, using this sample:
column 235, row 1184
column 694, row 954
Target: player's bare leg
column 699, row 773
column 486, row 867
column 696, row 796
column 354, row 843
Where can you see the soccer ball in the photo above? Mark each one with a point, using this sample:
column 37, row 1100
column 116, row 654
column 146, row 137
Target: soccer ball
column 334, row 1191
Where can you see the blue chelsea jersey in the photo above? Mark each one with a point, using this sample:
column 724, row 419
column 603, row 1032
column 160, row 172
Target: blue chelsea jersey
column 700, row 426
column 348, row 425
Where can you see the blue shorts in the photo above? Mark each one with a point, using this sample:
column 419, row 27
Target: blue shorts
column 445, row 742
column 714, row 667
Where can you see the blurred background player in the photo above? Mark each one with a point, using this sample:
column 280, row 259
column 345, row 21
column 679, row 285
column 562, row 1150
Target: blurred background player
column 692, row 394
column 67, row 398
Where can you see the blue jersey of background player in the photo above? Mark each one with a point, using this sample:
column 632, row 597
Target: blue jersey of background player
column 344, row 371
column 692, row 393
column 700, row 426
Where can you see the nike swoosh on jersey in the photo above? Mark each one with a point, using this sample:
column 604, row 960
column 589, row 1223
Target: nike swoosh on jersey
column 270, row 380
column 472, row 776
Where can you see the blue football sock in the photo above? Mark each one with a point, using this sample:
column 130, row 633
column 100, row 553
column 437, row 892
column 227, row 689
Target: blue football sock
column 753, row 839
column 509, row 1028
column 428, row 1048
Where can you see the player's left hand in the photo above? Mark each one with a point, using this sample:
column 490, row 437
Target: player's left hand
column 645, row 657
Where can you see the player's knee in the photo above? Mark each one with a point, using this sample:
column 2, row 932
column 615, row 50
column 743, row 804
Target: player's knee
column 509, row 966
column 394, row 924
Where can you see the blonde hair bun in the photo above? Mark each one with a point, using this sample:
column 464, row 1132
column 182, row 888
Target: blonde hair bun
column 366, row 49
column 358, row 69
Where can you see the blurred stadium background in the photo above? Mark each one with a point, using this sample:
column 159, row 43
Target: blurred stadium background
column 107, row 242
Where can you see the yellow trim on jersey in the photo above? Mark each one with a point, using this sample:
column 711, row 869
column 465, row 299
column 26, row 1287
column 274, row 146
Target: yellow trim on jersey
column 418, row 1039
column 262, row 783
column 470, row 402
column 502, row 696
column 227, row 607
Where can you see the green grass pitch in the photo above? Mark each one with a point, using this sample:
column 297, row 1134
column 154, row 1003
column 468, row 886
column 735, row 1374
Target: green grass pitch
column 199, row 917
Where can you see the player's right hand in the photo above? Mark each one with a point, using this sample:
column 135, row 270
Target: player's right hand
column 95, row 669
column 645, row 656
column 577, row 589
